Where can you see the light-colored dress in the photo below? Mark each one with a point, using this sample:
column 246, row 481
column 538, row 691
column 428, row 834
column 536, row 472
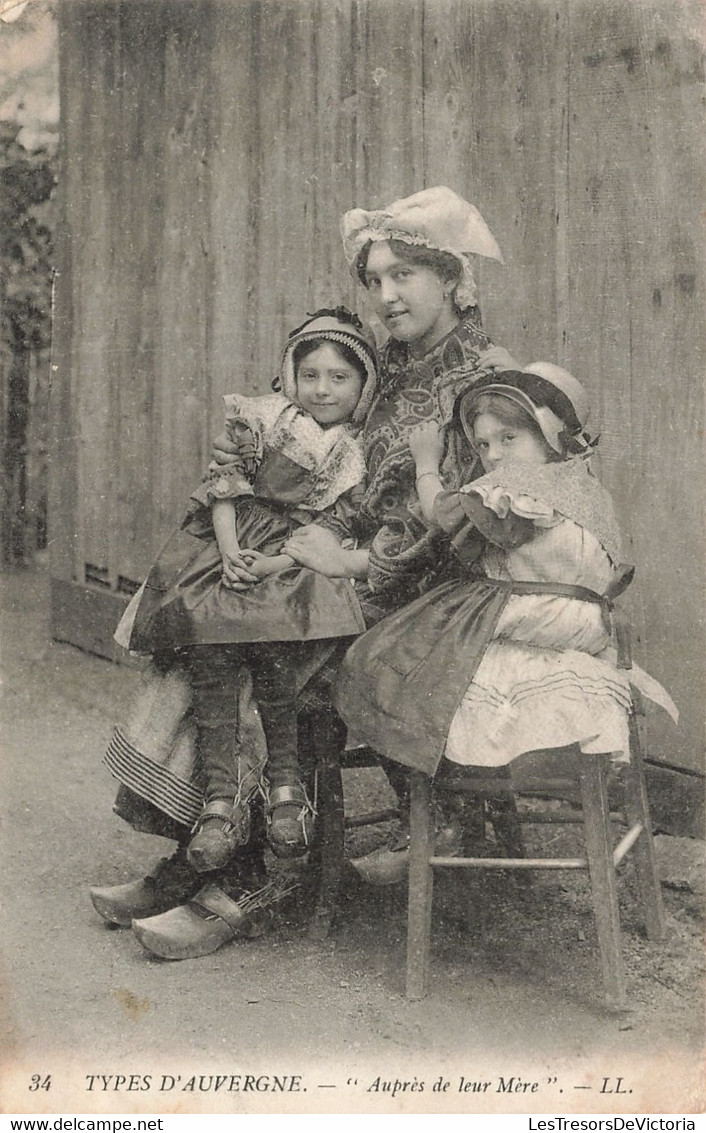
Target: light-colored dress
column 546, row 678
column 482, row 670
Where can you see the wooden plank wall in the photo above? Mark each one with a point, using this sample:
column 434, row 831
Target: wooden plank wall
column 210, row 147
column 634, row 325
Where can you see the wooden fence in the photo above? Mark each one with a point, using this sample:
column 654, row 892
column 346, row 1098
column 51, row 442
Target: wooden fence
column 209, row 149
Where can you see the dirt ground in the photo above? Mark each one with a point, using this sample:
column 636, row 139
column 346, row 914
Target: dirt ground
column 513, row 1021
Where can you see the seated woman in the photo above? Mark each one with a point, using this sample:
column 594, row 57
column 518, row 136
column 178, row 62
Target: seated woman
column 414, row 260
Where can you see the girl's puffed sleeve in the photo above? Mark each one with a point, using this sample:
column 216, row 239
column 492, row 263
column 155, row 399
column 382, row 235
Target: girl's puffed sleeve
column 226, row 481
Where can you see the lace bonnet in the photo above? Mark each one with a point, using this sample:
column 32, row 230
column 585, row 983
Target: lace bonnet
column 552, row 396
column 433, row 218
column 340, row 326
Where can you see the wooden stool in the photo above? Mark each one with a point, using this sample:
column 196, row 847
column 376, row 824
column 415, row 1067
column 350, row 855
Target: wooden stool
column 588, row 787
column 322, row 739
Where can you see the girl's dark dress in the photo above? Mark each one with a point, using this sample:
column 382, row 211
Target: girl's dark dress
column 289, row 471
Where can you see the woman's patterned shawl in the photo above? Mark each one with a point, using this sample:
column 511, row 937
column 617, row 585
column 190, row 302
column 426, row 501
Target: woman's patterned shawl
column 403, row 551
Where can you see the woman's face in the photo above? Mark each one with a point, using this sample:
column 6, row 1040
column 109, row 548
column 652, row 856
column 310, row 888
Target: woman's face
column 328, row 386
column 498, row 443
column 411, row 300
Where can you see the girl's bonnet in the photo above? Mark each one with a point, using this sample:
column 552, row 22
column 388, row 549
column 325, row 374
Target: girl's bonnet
column 433, row 218
column 553, row 397
column 338, row 326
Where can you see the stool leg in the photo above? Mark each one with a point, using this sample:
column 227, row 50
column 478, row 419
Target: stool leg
column 473, row 818
column 421, row 823
column 599, row 851
column 502, row 812
column 327, row 741
column 637, row 810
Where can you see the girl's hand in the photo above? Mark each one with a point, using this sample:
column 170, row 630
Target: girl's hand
column 498, row 358
column 262, row 565
column 426, row 443
column 236, row 571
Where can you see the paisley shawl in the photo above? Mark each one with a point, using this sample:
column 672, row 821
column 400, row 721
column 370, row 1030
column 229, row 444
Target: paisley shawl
column 413, row 390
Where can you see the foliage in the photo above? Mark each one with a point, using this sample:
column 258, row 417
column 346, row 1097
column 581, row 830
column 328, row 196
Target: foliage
column 27, row 214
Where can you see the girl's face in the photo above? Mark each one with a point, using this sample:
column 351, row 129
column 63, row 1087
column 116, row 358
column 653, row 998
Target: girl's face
column 328, row 387
column 498, row 443
column 411, row 300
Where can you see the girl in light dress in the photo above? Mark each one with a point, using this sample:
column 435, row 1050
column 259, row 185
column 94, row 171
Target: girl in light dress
column 513, row 655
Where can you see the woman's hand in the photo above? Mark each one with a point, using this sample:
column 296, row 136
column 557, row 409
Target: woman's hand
column 426, row 443
column 318, row 549
column 498, row 358
column 223, row 449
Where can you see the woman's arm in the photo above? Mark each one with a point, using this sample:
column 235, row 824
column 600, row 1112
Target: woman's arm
column 316, row 547
column 426, row 444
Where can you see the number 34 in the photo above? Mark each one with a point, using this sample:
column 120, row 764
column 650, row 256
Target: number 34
column 40, row 1083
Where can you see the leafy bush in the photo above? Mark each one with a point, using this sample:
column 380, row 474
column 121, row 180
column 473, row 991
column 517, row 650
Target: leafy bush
column 27, row 221
column 27, row 210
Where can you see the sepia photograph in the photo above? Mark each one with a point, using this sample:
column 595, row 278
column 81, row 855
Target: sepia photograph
column 352, row 519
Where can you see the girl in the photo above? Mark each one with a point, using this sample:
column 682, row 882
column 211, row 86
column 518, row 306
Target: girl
column 222, row 588
column 513, row 654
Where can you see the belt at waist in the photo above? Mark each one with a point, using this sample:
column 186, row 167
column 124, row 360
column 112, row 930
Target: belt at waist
column 557, row 589
column 623, row 579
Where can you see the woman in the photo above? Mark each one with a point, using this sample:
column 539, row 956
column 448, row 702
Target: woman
column 414, row 260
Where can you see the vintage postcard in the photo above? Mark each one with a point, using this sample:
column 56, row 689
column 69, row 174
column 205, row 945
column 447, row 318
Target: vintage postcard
column 428, row 420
